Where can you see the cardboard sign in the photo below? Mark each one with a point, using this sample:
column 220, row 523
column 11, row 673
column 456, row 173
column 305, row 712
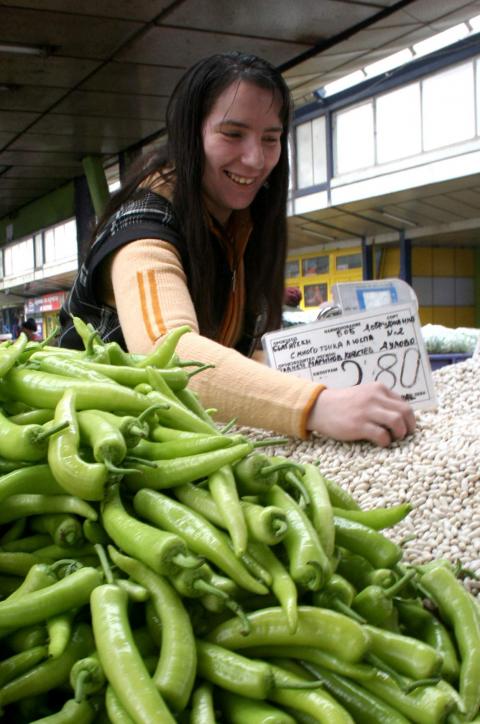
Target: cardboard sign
column 382, row 345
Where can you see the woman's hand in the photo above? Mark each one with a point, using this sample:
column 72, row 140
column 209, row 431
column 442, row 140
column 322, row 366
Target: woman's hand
column 365, row 412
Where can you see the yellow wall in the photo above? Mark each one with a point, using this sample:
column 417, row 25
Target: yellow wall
column 427, row 261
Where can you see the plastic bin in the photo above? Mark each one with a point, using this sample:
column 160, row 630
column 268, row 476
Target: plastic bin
column 440, row 360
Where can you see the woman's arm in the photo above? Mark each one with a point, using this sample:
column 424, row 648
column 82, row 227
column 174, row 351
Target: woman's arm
column 151, row 297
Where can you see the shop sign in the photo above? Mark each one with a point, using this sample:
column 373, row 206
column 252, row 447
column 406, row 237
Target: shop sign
column 47, row 303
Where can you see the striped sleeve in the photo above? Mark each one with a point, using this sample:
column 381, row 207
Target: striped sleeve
column 152, row 297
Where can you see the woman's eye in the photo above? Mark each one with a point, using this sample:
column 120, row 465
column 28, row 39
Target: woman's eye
column 271, row 139
column 231, row 134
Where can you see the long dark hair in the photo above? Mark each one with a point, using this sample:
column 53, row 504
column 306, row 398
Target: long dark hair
column 189, row 105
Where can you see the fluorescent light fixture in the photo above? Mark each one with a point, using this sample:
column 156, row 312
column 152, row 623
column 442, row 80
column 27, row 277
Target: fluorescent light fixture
column 401, row 219
column 475, row 23
column 18, row 49
column 389, row 63
column 312, row 232
column 347, row 81
column 441, row 40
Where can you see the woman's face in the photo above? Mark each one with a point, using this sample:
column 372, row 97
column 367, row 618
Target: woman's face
column 241, row 143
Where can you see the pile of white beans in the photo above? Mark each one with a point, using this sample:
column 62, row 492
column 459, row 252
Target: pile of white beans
column 437, row 470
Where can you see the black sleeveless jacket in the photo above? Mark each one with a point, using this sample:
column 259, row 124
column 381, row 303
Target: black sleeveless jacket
column 145, row 216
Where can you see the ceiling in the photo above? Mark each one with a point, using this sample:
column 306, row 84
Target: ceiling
column 110, row 65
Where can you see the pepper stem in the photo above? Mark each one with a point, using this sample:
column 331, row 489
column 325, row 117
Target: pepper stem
column 296, row 483
column 238, row 611
column 107, row 571
column 421, row 682
column 141, row 461
column 342, row 607
column 226, row 428
column 46, row 432
column 398, row 585
column 151, row 409
column 199, row 369
column 279, row 527
column 271, row 441
column 80, row 692
column 118, row 471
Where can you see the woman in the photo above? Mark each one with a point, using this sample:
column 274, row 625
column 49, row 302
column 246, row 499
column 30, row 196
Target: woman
column 197, row 236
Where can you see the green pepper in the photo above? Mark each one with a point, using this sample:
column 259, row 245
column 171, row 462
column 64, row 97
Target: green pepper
column 166, row 553
column 200, row 535
column 162, row 354
column 11, row 354
column 72, row 712
column 169, row 473
column 51, row 673
column 223, row 490
column 18, row 506
column 375, row 603
column 380, row 551
column 376, row 518
column 203, row 710
column 360, row 572
column 64, row 529
column 126, row 671
column 320, row 508
column 459, row 609
column 87, row 480
column 328, row 630
column 17, row 664
column 405, row 654
column 309, row 565
column 175, row 672
column 25, row 442
column 36, row 478
column 240, row 709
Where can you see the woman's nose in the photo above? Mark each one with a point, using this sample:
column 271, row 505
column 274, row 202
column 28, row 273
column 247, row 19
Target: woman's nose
column 252, row 155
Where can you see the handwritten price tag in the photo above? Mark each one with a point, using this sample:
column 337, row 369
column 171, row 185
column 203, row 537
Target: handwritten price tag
column 383, row 345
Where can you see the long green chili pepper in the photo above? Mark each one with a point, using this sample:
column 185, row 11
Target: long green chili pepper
column 364, row 707
column 14, row 532
column 380, row 551
column 18, row 506
column 319, row 703
column 26, row 638
column 160, row 433
column 26, row 442
column 45, row 390
column 282, row 584
column 191, row 401
column 36, row 417
column 39, row 576
column 244, row 709
column 14, row 563
column 375, row 603
column 105, row 440
column 377, row 518
column 200, row 535
column 459, row 609
column 314, row 655
column 61, row 365
column 116, row 712
column 64, row 529
column 165, row 552
column 51, row 673
column 132, row 429
column 162, row 354
column 10, row 355
column 176, row 668
column 169, row 473
column 405, row 654
column 87, row 480
column 308, row 563
column 238, row 674
column 36, row 477
column 17, row 664
column 126, row 671
column 224, row 492
column 72, row 712
column 59, row 628
column 361, row 573
column 318, row 627
column 256, row 474
column 203, row 709
column 39, row 605
column 176, row 415
column 266, row 524
column 319, row 508
column 426, row 705
column 182, row 448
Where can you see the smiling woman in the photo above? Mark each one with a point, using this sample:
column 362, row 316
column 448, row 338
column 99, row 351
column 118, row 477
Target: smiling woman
column 197, row 236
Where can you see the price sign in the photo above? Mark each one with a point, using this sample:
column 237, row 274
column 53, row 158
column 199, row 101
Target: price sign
column 383, row 345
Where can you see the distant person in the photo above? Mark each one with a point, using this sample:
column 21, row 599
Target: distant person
column 292, row 297
column 29, row 327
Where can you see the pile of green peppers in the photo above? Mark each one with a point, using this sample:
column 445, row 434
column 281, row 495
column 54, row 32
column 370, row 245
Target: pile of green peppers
column 156, row 567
